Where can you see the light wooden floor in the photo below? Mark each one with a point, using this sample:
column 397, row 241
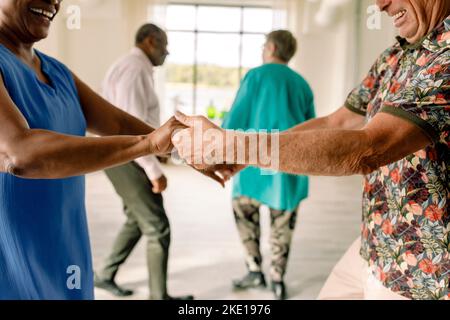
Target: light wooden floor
column 205, row 252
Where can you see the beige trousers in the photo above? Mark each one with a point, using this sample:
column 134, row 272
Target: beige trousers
column 351, row 279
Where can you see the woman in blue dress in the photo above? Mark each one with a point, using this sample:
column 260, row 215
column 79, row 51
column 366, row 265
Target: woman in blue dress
column 45, row 111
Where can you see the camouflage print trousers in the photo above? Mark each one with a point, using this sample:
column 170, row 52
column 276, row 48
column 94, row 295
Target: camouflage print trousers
column 247, row 216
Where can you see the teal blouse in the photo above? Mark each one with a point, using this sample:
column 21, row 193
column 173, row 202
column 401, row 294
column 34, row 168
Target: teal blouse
column 271, row 97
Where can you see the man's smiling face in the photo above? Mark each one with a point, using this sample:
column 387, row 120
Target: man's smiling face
column 414, row 19
column 405, row 17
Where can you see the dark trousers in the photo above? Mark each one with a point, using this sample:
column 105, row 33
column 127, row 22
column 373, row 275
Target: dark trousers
column 246, row 214
column 145, row 216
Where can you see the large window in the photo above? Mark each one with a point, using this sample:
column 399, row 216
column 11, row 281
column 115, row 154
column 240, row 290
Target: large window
column 211, row 49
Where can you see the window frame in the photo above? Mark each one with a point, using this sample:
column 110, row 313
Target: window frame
column 196, row 33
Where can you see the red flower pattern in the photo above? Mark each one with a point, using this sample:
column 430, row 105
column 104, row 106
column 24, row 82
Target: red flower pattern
column 405, row 228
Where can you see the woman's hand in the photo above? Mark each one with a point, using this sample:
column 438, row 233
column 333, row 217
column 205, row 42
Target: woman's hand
column 160, row 140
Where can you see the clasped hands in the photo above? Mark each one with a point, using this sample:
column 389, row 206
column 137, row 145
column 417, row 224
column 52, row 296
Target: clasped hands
column 178, row 135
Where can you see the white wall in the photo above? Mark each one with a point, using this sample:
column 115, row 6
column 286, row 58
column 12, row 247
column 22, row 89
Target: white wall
column 107, row 32
column 332, row 59
column 373, row 42
column 335, row 58
column 323, row 55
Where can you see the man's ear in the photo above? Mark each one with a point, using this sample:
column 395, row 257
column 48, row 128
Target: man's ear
column 271, row 47
column 150, row 43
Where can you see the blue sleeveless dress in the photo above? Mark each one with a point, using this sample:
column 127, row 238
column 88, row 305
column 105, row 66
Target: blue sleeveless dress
column 44, row 241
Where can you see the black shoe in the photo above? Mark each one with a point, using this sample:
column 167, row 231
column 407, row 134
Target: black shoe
column 251, row 280
column 187, row 297
column 279, row 290
column 112, row 287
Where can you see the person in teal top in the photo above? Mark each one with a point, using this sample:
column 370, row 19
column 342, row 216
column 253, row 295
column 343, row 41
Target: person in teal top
column 271, row 97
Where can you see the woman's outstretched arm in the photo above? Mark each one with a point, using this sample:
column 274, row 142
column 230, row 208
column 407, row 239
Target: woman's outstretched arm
column 42, row 154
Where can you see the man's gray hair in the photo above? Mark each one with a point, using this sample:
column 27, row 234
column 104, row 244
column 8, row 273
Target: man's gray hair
column 149, row 30
column 285, row 44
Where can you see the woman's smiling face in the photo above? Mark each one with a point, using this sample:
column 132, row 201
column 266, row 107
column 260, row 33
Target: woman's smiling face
column 30, row 20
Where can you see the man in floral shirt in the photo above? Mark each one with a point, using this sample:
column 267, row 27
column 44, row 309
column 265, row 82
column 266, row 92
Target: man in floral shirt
column 406, row 221
column 406, row 218
column 394, row 129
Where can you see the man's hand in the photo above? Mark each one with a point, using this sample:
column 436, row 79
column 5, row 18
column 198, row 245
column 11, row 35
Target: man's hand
column 221, row 173
column 163, row 160
column 211, row 173
column 161, row 139
column 228, row 171
column 159, row 185
column 202, row 143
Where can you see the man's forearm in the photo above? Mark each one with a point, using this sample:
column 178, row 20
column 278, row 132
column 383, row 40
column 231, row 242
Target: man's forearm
column 330, row 152
column 386, row 139
column 244, row 149
column 325, row 153
column 312, row 152
column 342, row 118
column 313, row 124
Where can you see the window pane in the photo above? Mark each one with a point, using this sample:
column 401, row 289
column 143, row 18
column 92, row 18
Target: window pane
column 218, row 49
column 181, row 47
column 218, row 72
column 219, row 19
column 181, row 17
column 179, row 89
column 178, row 97
column 252, row 50
column 214, row 102
column 258, row 20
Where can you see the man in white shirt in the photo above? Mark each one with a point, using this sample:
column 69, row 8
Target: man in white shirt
column 129, row 84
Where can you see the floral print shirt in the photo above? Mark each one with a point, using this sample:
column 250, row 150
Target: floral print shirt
column 406, row 218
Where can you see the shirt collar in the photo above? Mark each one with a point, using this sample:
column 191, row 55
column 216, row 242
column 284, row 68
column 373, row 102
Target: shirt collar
column 139, row 52
column 435, row 41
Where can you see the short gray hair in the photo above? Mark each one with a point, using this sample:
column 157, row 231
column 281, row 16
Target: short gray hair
column 149, row 30
column 285, row 44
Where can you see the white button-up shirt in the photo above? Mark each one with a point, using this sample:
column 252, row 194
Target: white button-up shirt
column 129, row 85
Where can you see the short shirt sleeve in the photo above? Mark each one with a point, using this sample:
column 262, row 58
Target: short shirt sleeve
column 426, row 100
column 360, row 97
